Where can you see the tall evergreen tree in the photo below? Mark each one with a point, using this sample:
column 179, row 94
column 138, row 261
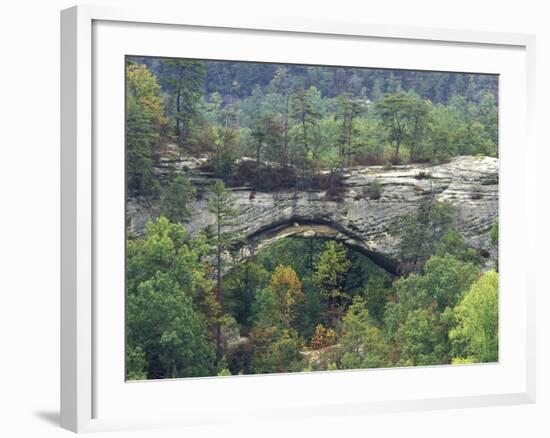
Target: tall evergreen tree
column 222, row 205
column 176, row 199
column 404, row 117
column 330, row 277
column 145, row 124
column 186, row 79
column 348, row 109
column 306, row 114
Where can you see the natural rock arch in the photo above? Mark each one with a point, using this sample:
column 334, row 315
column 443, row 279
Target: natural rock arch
column 320, row 228
column 358, row 219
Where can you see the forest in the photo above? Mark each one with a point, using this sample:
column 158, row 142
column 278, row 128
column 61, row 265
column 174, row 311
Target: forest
column 299, row 304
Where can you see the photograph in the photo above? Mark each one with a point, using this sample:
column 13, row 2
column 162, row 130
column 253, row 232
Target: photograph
column 285, row 218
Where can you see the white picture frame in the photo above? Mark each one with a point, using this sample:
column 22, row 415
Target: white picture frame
column 89, row 381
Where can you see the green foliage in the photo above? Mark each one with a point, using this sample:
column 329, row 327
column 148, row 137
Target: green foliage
column 376, row 291
column 305, row 111
column 404, row 117
column 444, row 134
column 140, row 137
column 301, row 254
column 145, row 123
column 242, row 286
column 421, row 231
column 265, row 309
column 420, row 310
column 276, row 351
column 312, row 118
column 476, row 333
column 441, row 285
column 225, row 145
column 162, row 321
column 176, row 198
column 136, row 363
column 463, row 128
column 224, row 372
column 494, row 242
column 166, row 335
column 166, row 248
column 420, row 339
column 349, row 108
column 374, row 190
column 184, row 78
column 330, row 275
column 221, row 205
column 290, row 127
column 461, row 361
column 287, row 288
column 267, row 132
column 362, row 344
column 452, row 242
column 322, row 337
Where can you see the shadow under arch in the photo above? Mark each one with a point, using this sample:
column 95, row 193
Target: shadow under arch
column 307, row 228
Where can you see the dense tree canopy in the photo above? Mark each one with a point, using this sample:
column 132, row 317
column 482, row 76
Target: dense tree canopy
column 167, row 336
column 475, row 336
column 296, row 121
column 207, row 302
column 145, row 128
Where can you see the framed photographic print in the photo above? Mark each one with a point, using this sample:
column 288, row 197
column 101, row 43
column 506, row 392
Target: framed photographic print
column 264, row 218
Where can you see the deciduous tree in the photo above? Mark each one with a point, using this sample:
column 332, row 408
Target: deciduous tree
column 362, row 344
column 287, row 288
column 476, row 334
column 164, row 325
column 421, row 339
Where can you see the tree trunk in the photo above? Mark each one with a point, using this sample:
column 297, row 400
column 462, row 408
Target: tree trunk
column 285, row 137
column 397, row 145
column 350, row 135
column 219, row 296
column 258, row 151
column 414, row 141
column 178, row 108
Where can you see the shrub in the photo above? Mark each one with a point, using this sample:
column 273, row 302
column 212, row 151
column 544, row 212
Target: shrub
column 423, row 175
column 262, row 178
column 374, row 190
column 332, row 183
column 322, row 338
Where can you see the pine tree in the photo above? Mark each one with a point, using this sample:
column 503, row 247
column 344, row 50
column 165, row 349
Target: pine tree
column 145, row 124
column 176, row 199
column 305, row 112
column 348, row 109
column 330, row 277
column 186, row 79
column 404, row 117
column 221, row 205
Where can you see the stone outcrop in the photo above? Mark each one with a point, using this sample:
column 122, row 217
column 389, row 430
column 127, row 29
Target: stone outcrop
column 374, row 196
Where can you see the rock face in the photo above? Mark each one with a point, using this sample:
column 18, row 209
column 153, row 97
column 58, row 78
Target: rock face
column 362, row 217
